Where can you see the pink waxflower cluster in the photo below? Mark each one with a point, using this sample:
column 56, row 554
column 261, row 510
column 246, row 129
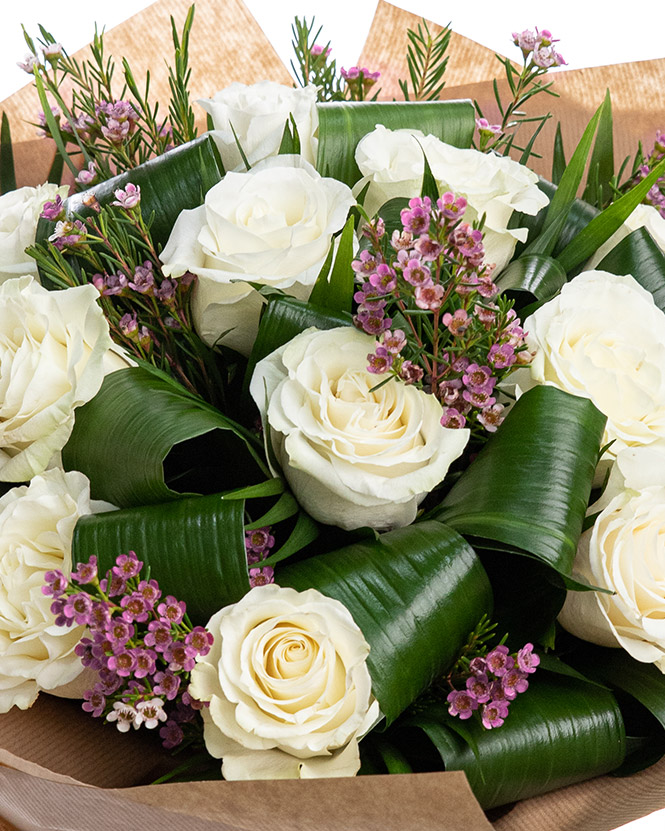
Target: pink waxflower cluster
column 438, row 269
column 359, row 81
column 539, row 46
column 493, row 681
column 140, row 643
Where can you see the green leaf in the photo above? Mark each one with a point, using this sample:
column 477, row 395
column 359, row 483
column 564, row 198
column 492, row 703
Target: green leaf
column 601, row 166
column 283, row 319
column 305, row 532
column 335, row 292
column 558, row 156
column 55, row 171
column 601, row 228
column 343, row 123
column 143, row 440
column 195, row 547
column 560, row 731
column 529, row 486
column 572, row 176
column 639, row 255
column 7, row 173
column 52, row 124
column 429, row 187
column 416, row 594
column 169, row 184
column 290, row 144
column 540, row 275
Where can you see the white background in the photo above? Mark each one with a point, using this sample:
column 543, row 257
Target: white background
column 589, row 34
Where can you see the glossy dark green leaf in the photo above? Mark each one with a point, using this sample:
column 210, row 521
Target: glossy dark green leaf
column 529, row 487
column 429, row 187
column 169, row 184
column 639, row 255
column 343, row 123
column 601, row 227
column 416, row 593
column 558, row 156
column 334, row 291
column 601, row 167
column 143, row 440
column 195, row 548
column 560, row 731
column 283, row 319
column 540, row 275
column 7, row 173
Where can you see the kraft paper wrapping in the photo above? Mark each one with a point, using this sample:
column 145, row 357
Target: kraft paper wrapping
column 61, row 769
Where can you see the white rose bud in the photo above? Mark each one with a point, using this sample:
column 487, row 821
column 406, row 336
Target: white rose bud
column 273, row 226
column 603, row 338
column 53, row 348
column 19, row 215
column 288, row 685
column 352, row 457
column 258, row 114
column 36, row 527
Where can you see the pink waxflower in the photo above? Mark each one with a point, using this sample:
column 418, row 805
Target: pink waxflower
column 461, row 703
column 380, row 361
column 417, row 274
column 128, row 198
column 494, row 713
column 429, row 297
column 457, row 323
column 394, row 342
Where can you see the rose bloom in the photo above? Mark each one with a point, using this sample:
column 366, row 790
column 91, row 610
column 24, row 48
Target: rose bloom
column 603, row 338
column 644, row 216
column 496, row 186
column 272, row 225
column 352, row 457
column 625, row 553
column 19, row 215
column 36, row 527
column 288, row 686
column 258, row 113
column 54, row 352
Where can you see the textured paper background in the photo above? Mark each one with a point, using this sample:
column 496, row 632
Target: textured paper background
column 55, row 736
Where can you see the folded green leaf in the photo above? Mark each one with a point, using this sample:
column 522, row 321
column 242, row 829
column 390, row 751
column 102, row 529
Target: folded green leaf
column 529, row 486
column 195, row 547
column 143, row 440
column 560, row 731
column 283, row 319
column 343, row 123
column 598, row 190
column 537, row 274
column 639, row 255
column 7, row 173
column 416, row 594
column 558, row 156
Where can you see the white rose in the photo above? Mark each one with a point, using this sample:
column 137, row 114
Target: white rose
column 36, row 527
column 288, row 686
column 258, row 114
column 53, row 345
column 19, row 215
column 644, row 216
column 393, row 161
column 352, row 457
column 603, row 338
column 272, row 225
column 624, row 553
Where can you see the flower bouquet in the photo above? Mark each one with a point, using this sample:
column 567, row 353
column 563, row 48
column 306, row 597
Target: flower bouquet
column 331, row 440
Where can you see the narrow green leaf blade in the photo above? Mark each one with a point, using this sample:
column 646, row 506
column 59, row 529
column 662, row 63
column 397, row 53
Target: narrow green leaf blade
column 602, row 157
column 558, row 156
column 7, row 172
column 336, row 291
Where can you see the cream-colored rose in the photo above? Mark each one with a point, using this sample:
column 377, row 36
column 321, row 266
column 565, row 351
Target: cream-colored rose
column 36, row 527
column 496, row 186
column 272, row 225
column 258, row 114
column 352, row 456
column 603, row 338
column 644, row 216
column 288, row 685
column 625, row 553
column 19, row 215
column 53, row 345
